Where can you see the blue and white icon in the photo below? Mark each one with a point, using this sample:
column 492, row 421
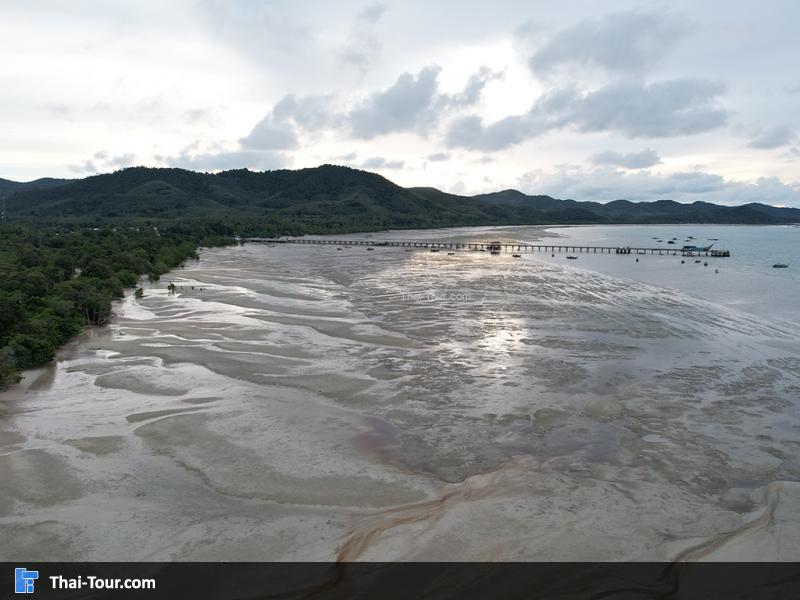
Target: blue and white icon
column 24, row 580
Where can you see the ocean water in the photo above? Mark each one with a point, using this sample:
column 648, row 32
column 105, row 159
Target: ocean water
column 746, row 280
column 313, row 403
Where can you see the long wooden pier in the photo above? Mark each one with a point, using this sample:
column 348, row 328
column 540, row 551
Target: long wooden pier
column 502, row 246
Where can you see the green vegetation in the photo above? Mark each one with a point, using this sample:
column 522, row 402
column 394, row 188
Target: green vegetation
column 330, row 199
column 56, row 280
column 71, row 246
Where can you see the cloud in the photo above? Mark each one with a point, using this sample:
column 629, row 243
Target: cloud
column 270, row 134
column 259, row 160
column 774, row 137
column 623, row 42
column 471, row 132
column 473, row 89
column 363, row 44
column 378, row 162
column 634, row 160
column 662, row 109
column 102, row 162
column 307, row 112
column 439, row 157
column 404, row 106
column 603, row 184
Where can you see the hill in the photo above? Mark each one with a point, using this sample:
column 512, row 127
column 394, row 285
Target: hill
column 332, row 198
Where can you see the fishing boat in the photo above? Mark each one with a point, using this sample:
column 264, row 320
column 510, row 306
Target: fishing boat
column 780, row 266
column 370, row 248
column 572, row 257
column 517, row 255
column 450, row 253
column 434, row 249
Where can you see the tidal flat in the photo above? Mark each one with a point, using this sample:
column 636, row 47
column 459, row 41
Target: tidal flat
column 306, row 403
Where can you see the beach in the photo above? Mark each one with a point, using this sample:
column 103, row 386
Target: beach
column 300, row 402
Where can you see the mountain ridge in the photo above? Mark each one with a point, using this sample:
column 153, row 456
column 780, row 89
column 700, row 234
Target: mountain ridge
column 331, row 197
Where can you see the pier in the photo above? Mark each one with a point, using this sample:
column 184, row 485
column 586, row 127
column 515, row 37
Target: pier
column 496, row 246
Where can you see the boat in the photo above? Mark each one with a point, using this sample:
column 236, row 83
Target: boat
column 713, row 239
column 780, row 266
column 495, row 252
column 696, row 248
column 450, row 253
column 572, row 257
column 409, row 249
column 434, row 249
column 370, row 248
column 517, row 255
column 671, row 242
column 697, row 262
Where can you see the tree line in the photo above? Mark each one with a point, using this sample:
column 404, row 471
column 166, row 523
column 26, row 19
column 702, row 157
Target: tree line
column 55, row 280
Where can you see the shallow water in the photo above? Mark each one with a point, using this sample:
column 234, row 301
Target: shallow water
column 304, row 402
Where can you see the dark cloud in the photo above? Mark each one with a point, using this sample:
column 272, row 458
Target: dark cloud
column 662, row 109
column 471, row 132
column 775, row 137
column 621, row 42
column 633, row 160
column 634, row 110
column 405, row 106
column 378, row 162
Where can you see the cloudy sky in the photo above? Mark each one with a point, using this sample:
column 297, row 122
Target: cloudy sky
column 683, row 100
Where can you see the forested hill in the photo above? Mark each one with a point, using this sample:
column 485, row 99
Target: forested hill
column 331, row 198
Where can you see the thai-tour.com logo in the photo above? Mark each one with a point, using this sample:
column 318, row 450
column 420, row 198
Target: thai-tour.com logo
column 24, row 580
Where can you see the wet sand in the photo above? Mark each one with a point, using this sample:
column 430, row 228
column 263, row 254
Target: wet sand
column 315, row 404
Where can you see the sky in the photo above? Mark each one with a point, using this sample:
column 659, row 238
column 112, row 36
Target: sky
column 587, row 100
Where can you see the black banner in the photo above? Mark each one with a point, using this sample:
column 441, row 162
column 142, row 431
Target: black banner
column 286, row 581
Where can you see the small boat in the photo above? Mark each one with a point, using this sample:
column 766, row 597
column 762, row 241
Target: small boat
column 572, row 257
column 780, row 266
column 495, row 252
column 434, row 249
column 671, row 242
column 409, row 249
column 697, row 262
column 338, row 248
column 713, row 239
column 517, row 255
column 370, row 248
column 450, row 253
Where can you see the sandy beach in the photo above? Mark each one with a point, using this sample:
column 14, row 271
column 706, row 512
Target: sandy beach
column 305, row 403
